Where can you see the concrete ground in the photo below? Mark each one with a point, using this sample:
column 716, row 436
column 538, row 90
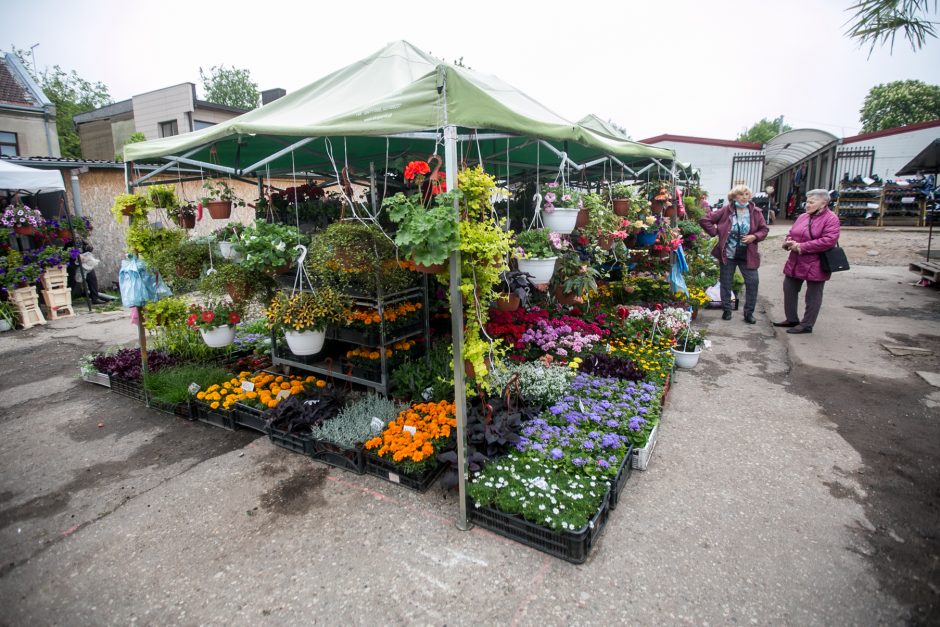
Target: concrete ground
column 795, row 482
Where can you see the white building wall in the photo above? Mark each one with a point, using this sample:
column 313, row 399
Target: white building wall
column 713, row 161
column 163, row 105
column 893, row 152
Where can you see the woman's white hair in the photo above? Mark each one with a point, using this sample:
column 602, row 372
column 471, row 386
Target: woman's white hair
column 819, row 193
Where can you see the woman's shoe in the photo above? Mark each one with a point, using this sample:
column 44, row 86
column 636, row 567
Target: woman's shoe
column 786, row 323
column 800, row 329
column 726, row 315
column 749, row 318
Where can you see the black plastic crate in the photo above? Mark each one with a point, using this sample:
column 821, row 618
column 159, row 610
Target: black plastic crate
column 250, row 418
column 292, row 442
column 350, row 459
column 183, row 410
column 572, row 546
column 378, row 467
column 620, row 480
column 128, row 388
column 216, row 417
column 356, row 336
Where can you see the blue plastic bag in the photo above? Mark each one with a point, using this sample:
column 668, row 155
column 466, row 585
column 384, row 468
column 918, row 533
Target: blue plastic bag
column 137, row 283
column 679, row 267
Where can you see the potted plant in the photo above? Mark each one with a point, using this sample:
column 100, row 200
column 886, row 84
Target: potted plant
column 227, row 237
column 304, row 317
column 22, row 219
column 622, row 196
column 516, row 287
column 216, row 323
column 688, row 347
column 605, row 227
column 18, row 273
column 560, row 208
column 426, row 236
column 133, row 206
column 268, row 247
column 574, row 279
column 660, row 194
column 219, row 198
column 239, row 283
column 183, row 215
column 163, row 197
column 536, row 254
column 7, row 319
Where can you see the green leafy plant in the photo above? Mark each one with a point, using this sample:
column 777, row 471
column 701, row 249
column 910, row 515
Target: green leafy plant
column 574, row 275
column 7, row 312
column 430, row 379
column 134, row 206
column 539, row 385
column 231, row 232
column 352, row 256
column 624, row 191
column 477, row 189
column 241, row 284
column 149, row 242
column 689, row 340
column 163, row 196
column 535, row 244
column 166, row 312
column 307, row 311
column 266, row 247
column 171, row 385
column 218, row 189
column 427, row 236
column 353, row 424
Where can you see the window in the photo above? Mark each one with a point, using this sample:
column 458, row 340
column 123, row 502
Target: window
column 8, row 145
column 168, row 129
column 198, row 124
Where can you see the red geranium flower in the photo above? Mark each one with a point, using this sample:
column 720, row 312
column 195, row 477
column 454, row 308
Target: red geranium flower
column 416, row 168
column 191, row 321
column 208, row 316
column 234, row 318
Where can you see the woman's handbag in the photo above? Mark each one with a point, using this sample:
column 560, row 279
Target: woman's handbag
column 740, row 252
column 832, row 260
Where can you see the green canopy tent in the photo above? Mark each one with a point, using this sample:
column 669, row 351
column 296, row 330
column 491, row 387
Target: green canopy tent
column 384, row 110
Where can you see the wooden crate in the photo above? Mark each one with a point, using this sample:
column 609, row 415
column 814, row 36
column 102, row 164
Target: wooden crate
column 25, row 295
column 58, row 303
column 54, row 278
column 29, row 314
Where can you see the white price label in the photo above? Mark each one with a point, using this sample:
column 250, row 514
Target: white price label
column 282, row 395
column 248, row 386
column 393, row 477
column 580, row 404
column 410, row 429
column 193, row 388
column 377, row 425
column 312, row 401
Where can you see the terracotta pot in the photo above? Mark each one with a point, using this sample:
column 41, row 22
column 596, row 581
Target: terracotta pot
column 694, row 314
column 185, row 272
column 661, row 253
column 508, row 302
column 432, row 269
column 129, row 210
column 564, row 298
column 237, row 295
column 584, row 217
column 219, row 209
column 187, row 222
column 25, row 230
column 621, row 206
column 470, row 371
column 282, row 269
column 605, row 242
column 65, row 234
column 669, row 211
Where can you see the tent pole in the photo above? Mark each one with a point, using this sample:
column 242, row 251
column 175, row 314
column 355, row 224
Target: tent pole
column 456, row 318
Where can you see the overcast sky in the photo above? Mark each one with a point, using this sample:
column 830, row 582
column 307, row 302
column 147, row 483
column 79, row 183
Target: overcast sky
column 708, row 68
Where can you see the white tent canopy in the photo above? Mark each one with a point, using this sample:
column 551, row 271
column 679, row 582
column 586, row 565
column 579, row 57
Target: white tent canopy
column 22, row 179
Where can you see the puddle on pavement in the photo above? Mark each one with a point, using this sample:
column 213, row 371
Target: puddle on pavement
column 297, row 494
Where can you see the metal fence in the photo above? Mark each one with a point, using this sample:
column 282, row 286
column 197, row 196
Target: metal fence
column 852, row 162
column 748, row 169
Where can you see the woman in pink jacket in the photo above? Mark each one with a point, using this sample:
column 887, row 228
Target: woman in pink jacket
column 814, row 232
column 739, row 226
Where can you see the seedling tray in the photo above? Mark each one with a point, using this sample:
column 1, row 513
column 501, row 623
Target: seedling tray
column 350, row 459
column 378, row 467
column 130, row 389
column 292, row 442
column 620, row 480
column 571, row 546
column 215, row 417
column 250, row 418
column 183, row 410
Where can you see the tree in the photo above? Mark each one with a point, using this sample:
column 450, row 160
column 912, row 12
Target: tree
column 133, row 138
column 765, row 130
column 879, row 21
column 71, row 95
column 899, row 103
column 232, row 87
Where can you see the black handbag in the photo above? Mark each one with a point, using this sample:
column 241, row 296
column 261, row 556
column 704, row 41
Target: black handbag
column 832, row 260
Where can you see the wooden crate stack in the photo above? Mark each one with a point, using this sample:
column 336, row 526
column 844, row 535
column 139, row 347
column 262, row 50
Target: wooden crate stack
column 56, row 293
column 27, row 305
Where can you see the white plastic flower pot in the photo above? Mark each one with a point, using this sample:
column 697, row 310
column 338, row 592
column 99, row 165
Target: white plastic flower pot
column 228, row 251
column 5, row 326
column 218, row 337
column 686, row 360
column 562, row 220
column 305, row 342
column 540, row 269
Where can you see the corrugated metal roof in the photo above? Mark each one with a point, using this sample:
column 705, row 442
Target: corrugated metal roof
column 793, row 146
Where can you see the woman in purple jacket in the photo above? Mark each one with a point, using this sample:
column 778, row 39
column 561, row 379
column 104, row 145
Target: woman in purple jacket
column 814, row 232
column 739, row 225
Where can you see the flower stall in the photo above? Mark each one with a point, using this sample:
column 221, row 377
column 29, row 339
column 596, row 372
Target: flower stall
column 539, row 414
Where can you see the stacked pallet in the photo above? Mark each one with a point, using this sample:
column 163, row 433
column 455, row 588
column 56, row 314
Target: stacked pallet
column 56, row 293
column 27, row 306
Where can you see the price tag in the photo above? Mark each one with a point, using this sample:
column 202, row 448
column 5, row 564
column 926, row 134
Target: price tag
column 193, row 388
column 393, row 478
column 581, row 405
column 410, row 430
column 377, row 425
column 282, row 395
column 312, row 401
column 248, row 386
column 428, row 392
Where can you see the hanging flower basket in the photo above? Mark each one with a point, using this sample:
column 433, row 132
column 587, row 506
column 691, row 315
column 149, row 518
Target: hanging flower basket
column 540, row 269
column 187, row 222
column 129, row 210
column 436, row 268
column 305, row 342
column 646, row 239
column 218, row 337
column 508, row 302
column 584, row 217
column 561, row 220
column 685, row 359
column 228, row 251
column 25, row 230
column 621, row 206
column 219, row 209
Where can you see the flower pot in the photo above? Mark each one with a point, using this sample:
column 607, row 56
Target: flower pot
column 65, row 234
column 281, row 269
column 237, row 293
column 305, row 342
column 584, row 217
column 540, row 269
column 669, row 211
column 565, row 298
column 646, row 239
column 686, row 359
column 621, row 206
column 5, row 326
column 436, row 268
column 218, row 337
column 25, row 230
column 470, row 371
column 187, row 222
column 605, row 242
column 228, row 251
column 508, row 302
column 219, row 209
column 129, row 210
column 562, row 220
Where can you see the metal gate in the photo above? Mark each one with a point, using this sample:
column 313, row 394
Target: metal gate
column 852, row 162
column 748, row 169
